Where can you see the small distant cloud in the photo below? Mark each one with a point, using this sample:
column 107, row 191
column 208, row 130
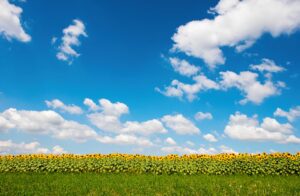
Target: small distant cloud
column 70, row 38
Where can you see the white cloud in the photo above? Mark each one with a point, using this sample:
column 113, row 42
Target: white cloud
column 273, row 125
column 125, row 139
column 226, row 149
column 114, row 109
column 210, row 150
column 145, row 128
column 223, row 6
column 178, row 89
column 180, row 124
column 91, row 104
column 186, row 150
column 183, row 67
column 292, row 139
column 9, row 147
column 248, row 83
column 210, row 137
column 170, row 141
column 202, row 116
column 171, row 91
column 71, row 39
column 10, row 22
column 105, row 122
column 5, row 125
column 190, row 143
column 57, row 104
column 242, row 127
column 236, row 24
column 47, row 122
column 179, row 150
column 267, row 65
column 58, row 150
column 291, row 115
column 108, row 119
column 74, row 130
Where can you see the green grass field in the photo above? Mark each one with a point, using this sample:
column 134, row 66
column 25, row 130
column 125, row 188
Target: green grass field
column 123, row 184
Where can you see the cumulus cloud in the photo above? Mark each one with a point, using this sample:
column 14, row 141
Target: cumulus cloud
column 58, row 150
column 180, row 124
column 226, row 149
column 242, row 127
column 170, row 141
column 178, row 150
column 183, row 67
column 125, row 139
column 236, row 24
column 91, row 104
column 46, row 122
column 190, row 143
column 69, row 40
column 203, row 115
column 291, row 115
column 267, row 65
column 114, row 109
column 104, row 122
column 145, row 128
column 179, row 89
column 9, row 147
column 210, row 137
column 108, row 118
column 247, row 82
column 185, row 150
column 57, row 104
column 5, row 125
column 10, row 22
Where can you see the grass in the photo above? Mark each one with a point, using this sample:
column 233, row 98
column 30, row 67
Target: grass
column 125, row 184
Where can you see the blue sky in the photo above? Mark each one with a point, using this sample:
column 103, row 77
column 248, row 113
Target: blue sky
column 149, row 77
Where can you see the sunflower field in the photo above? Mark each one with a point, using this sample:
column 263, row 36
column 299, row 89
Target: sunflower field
column 196, row 164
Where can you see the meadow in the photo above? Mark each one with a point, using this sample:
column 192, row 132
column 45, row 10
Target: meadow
column 125, row 174
column 145, row 184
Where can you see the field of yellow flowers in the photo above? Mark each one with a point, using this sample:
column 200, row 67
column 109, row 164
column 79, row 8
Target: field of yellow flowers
column 221, row 164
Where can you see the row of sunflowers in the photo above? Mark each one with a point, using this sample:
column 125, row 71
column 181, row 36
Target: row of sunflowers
column 220, row 164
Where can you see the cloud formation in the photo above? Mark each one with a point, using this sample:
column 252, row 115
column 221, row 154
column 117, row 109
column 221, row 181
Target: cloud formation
column 210, row 137
column 10, row 22
column 45, row 122
column 186, row 150
column 247, row 82
column 9, row 147
column 170, row 141
column 106, row 116
column 57, row 104
column 203, row 116
column 291, row 115
column 267, row 65
column 236, row 24
column 183, row 67
column 145, row 128
column 242, row 127
column 125, row 139
column 66, row 52
column 180, row 124
column 179, row 89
